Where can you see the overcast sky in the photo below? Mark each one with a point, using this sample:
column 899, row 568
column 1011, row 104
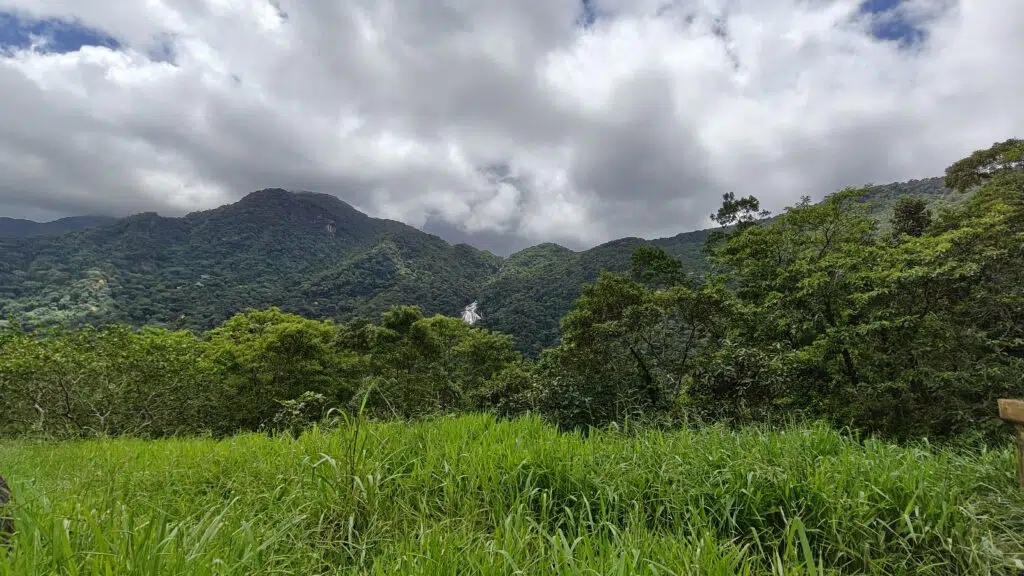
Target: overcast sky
column 503, row 123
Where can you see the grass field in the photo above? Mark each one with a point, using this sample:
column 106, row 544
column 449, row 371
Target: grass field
column 469, row 495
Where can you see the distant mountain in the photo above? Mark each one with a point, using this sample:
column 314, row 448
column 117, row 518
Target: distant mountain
column 308, row 253
column 315, row 255
column 15, row 228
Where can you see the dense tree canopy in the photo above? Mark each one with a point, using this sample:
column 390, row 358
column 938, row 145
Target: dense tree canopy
column 1002, row 158
column 911, row 217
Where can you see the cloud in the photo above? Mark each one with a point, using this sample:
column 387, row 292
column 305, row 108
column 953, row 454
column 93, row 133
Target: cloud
column 502, row 123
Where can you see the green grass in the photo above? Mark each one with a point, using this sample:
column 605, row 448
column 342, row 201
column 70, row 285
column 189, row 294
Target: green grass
column 474, row 496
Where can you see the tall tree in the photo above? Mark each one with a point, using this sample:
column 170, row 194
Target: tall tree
column 264, row 357
column 910, row 338
column 910, row 217
column 420, row 365
column 797, row 274
column 629, row 350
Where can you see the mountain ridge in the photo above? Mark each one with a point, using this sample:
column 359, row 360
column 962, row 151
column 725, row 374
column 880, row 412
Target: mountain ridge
column 313, row 254
column 18, row 227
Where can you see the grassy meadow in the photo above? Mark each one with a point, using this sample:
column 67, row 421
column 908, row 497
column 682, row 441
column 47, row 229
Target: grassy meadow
column 472, row 495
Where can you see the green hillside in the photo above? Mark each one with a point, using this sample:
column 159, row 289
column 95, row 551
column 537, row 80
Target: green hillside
column 307, row 253
column 17, row 228
column 315, row 255
column 882, row 198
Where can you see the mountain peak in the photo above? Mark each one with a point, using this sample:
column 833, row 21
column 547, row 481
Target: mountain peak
column 266, row 195
column 298, row 201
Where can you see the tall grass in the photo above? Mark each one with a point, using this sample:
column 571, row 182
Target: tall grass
column 470, row 495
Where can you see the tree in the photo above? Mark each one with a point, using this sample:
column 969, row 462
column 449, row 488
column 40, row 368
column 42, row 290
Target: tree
column 943, row 321
column 264, row 357
column 910, row 217
column 426, row 365
column 98, row 382
column 739, row 212
column 908, row 339
column 1000, row 158
column 656, row 268
column 795, row 279
column 627, row 350
column 514, row 391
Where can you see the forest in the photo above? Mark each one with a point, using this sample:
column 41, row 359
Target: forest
column 816, row 334
column 814, row 313
column 316, row 256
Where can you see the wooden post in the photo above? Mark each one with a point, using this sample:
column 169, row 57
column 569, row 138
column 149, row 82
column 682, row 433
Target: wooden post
column 1013, row 411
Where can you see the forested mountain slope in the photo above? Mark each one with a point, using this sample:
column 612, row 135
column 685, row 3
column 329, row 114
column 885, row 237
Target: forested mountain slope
column 315, row 255
column 308, row 253
column 16, row 228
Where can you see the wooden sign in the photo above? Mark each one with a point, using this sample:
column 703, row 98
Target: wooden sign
column 1013, row 411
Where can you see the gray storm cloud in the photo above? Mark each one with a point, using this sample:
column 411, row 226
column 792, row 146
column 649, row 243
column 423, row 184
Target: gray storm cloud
column 633, row 126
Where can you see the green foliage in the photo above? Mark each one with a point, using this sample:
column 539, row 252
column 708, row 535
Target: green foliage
column 472, row 495
column 819, row 311
column 815, row 312
column 910, row 217
column 737, row 213
column 740, row 383
column 425, row 365
column 308, row 254
column 655, row 268
column 302, row 412
column 516, row 390
column 913, row 338
column 98, row 382
column 263, row 357
column 881, row 200
column 15, row 228
column 953, row 301
column 535, row 288
column 795, row 276
column 627, row 350
column 313, row 255
column 262, row 369
column 1001, row 158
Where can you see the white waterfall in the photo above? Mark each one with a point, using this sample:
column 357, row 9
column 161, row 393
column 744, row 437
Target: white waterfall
column 469, row 314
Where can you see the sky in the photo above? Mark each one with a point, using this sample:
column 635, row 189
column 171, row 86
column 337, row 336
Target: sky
column 503, row 124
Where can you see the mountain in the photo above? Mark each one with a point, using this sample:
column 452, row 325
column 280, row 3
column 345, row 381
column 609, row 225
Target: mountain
column 315, row 255
column 15, row 228
column 308, row 253
column 535, row 287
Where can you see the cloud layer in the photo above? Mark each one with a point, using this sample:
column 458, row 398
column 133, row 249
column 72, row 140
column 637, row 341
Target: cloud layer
column 512, row 122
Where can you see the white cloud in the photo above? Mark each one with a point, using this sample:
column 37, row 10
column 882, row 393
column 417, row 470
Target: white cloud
column 634, row 126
